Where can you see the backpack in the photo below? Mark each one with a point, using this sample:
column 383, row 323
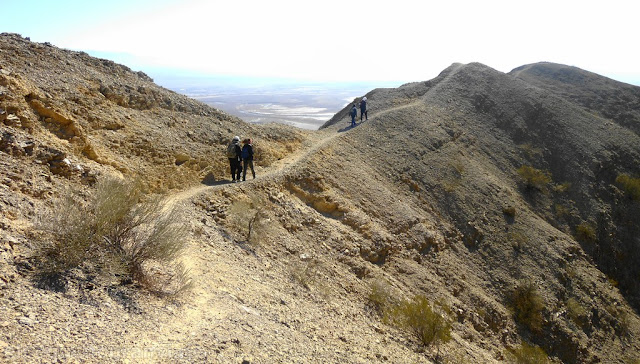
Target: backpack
column 245, row 152
column 231, row 151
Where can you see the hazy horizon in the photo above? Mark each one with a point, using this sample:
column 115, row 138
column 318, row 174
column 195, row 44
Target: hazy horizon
column 305, row 105
column 400, row 41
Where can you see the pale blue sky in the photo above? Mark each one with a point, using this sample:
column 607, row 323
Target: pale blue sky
column 337, row 40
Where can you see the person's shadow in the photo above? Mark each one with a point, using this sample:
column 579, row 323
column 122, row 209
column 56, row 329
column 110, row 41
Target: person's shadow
column 210, row 180
column 347, row 128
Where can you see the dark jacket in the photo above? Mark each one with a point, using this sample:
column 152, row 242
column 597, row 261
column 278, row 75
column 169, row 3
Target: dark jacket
column 249, row 152
column 354, row 111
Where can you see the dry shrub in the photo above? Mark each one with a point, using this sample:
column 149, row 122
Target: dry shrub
column 561, row 210
column 563, row 187
column 116, row 233
column 527, row 305
column 630, row 185
column 531, row 151
column 586, row 233
column 306, row 273
column 576, row 312
column 68, row 236
column 528, row 354
column 421, row 319
column 518, row 240
column 380, row 296
column 251, row 218
column 534, row 178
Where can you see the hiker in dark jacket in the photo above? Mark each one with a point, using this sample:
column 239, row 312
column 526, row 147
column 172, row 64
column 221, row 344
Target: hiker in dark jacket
column 247, row 158
column 363, row 109
column 354, row 113
column 235, row 162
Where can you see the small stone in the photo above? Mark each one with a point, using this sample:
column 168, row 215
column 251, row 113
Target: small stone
column 26, row 321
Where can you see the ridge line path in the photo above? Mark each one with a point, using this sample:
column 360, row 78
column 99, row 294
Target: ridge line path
column 214, row 313
column 315, row 141
column 179, row 333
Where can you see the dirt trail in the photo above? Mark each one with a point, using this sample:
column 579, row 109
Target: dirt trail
column 212, row 305
column 208, row 305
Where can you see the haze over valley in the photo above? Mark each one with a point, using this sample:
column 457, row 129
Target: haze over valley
column 304, row 105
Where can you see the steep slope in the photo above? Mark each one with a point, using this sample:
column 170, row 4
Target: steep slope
column 455, row 144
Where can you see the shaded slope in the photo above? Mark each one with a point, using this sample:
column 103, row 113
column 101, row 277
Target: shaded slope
column 600, row 95
column 451, row 147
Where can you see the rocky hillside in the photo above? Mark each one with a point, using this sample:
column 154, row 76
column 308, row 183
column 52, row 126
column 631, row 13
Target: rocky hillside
column 497, row 197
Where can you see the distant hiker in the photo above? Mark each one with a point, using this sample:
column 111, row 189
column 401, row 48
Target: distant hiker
column 247, row 158
column 233, row 153
column 363, row 109
column 353, row 113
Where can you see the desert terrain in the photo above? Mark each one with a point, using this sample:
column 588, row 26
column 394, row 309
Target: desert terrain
column 507, row 200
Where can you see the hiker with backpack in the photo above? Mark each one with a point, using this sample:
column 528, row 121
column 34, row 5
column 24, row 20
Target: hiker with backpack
column 235, row 162
column 353, row 113
column 247, row 158
column 363, row 109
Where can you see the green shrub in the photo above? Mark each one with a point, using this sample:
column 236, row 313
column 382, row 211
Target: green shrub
column 418, row 317
column 509, row 210
column 585, row 233
column 527, row 305
column 115, row 233
column 630, row 185
column 534, row 178
column 528, row 354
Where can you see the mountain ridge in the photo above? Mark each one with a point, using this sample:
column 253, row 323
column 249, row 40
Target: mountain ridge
column 424, row 198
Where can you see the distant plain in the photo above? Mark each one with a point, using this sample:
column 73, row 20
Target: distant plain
column 304, row 105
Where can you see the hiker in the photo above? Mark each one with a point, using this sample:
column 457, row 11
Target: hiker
column 235, row 163
column 363, row 109
column 354, row 112
column 247, row 158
